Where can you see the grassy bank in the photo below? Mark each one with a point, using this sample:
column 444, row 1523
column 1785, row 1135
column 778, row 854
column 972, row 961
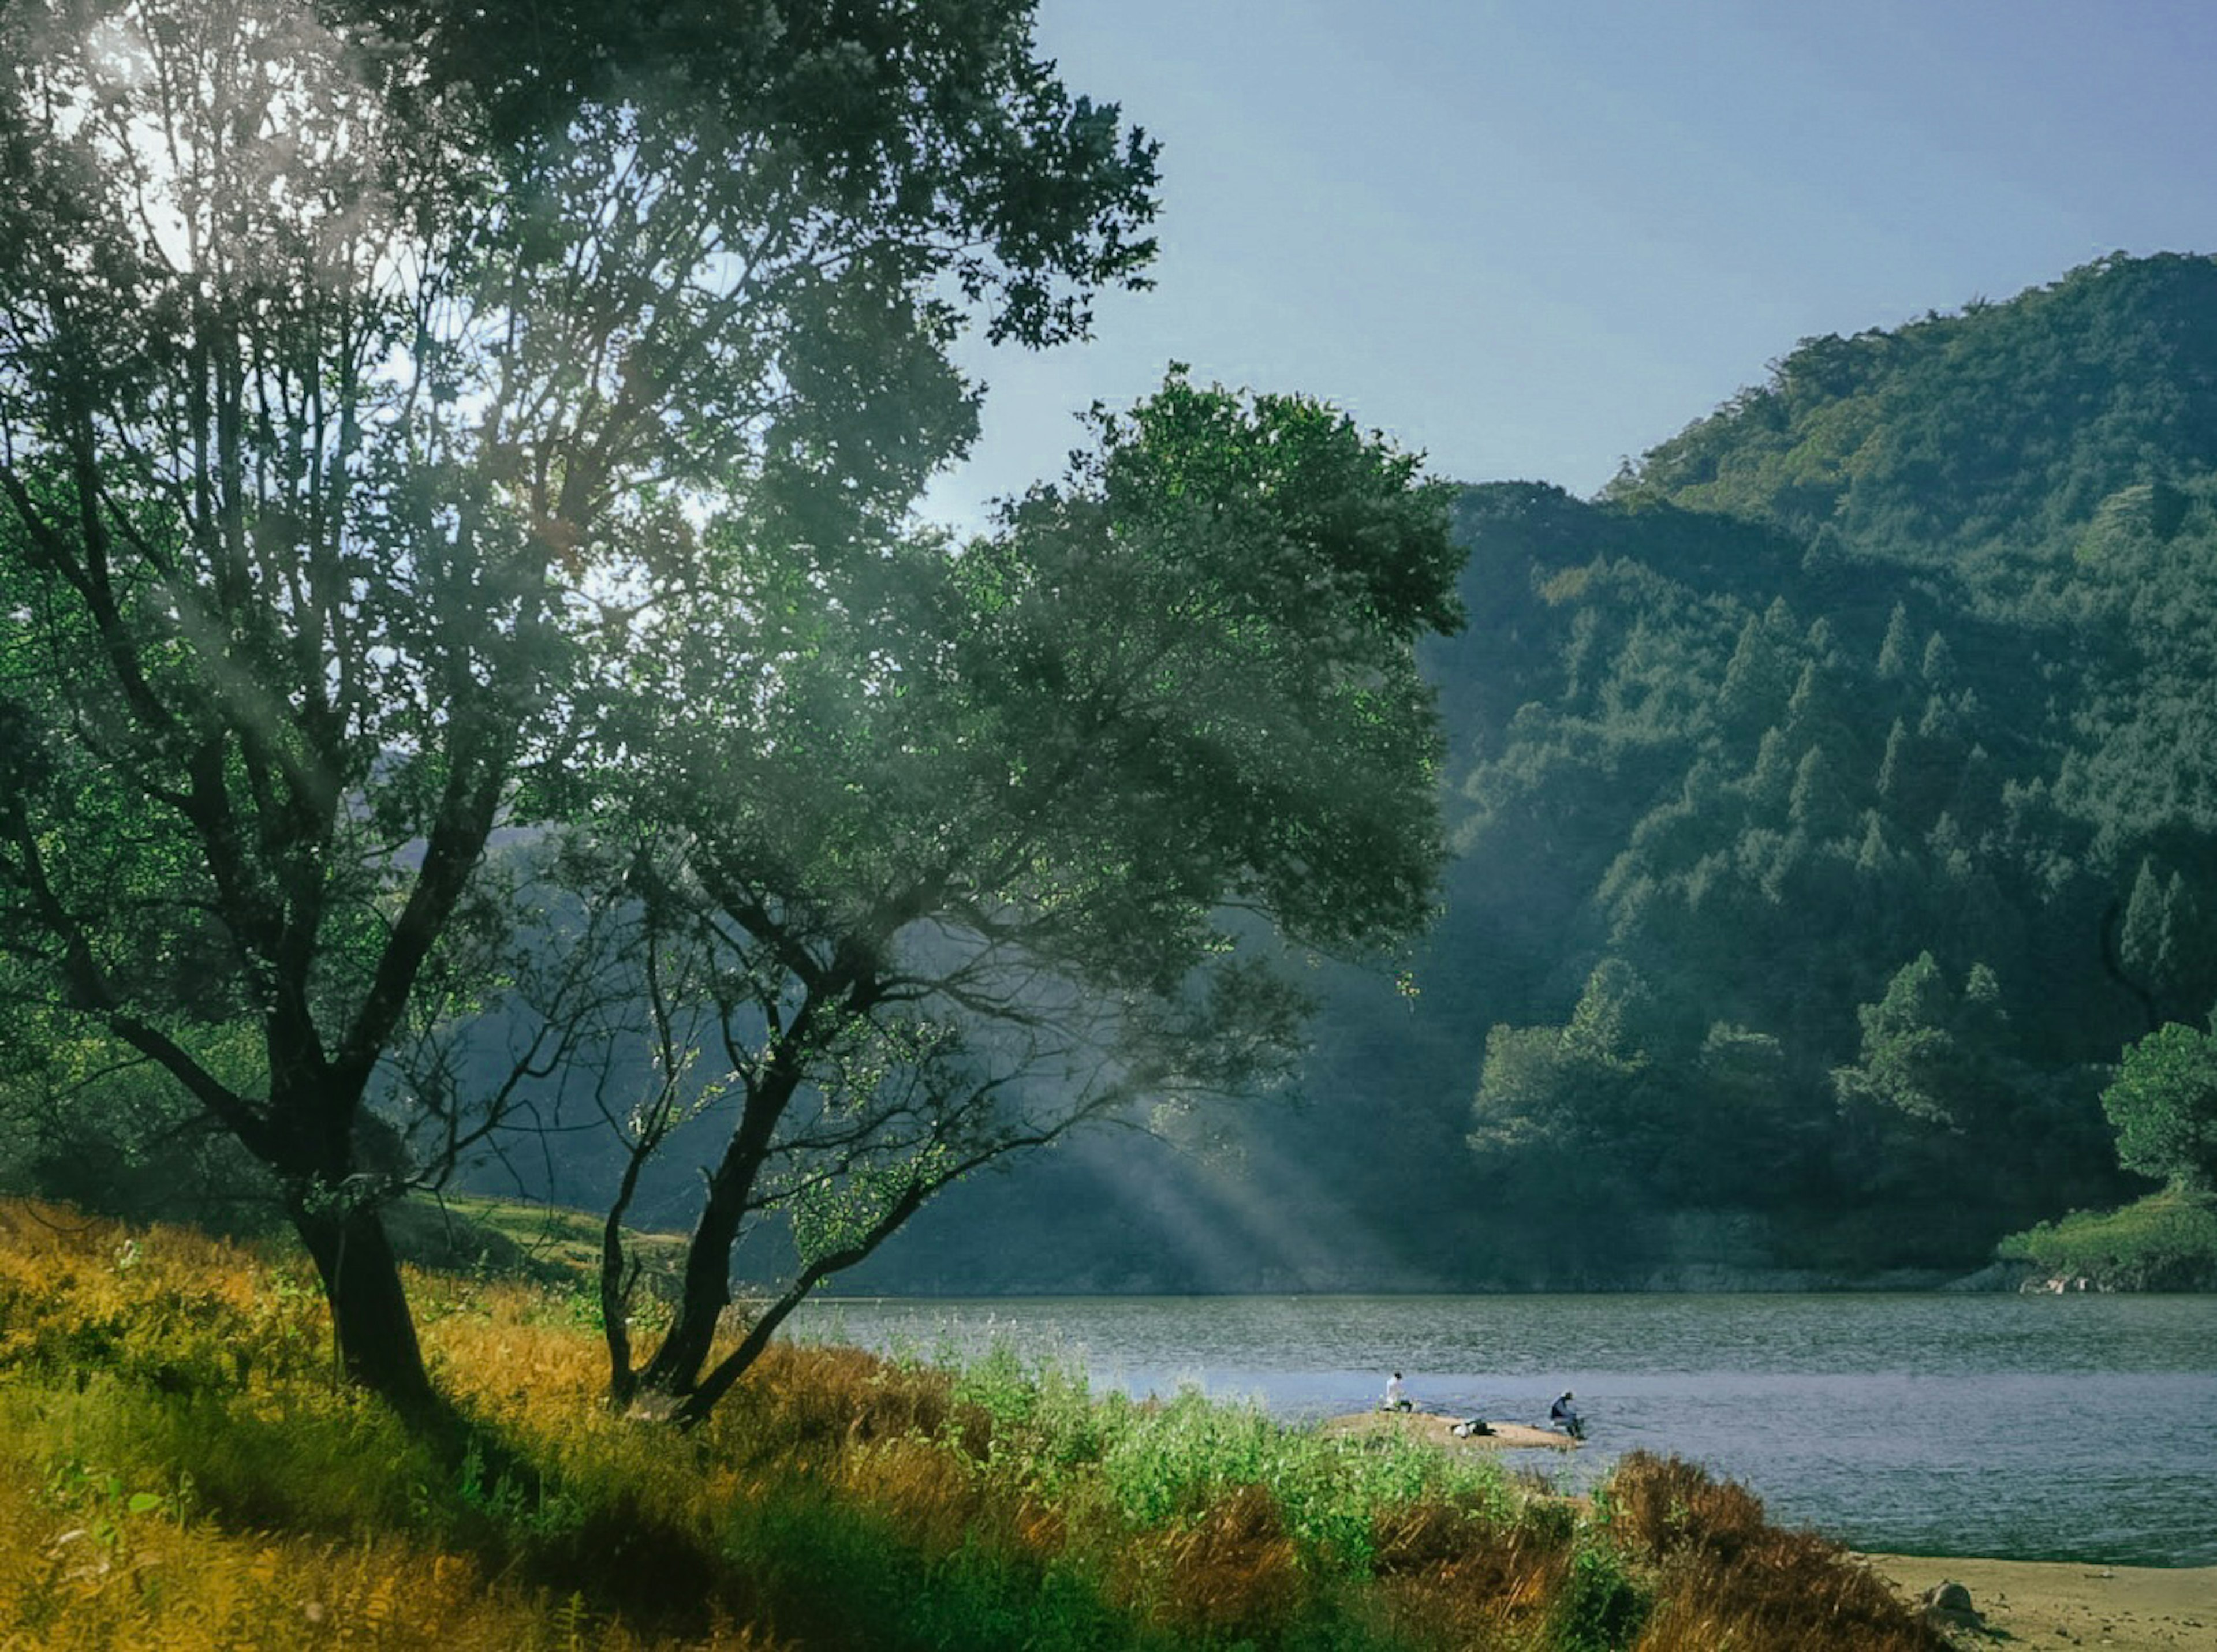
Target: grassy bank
column 470, row 1233
column 2166, row 1241
column 178, row 1469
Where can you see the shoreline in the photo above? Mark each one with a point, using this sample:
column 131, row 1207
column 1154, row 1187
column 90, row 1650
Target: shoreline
column 2053, row 1606
column 2038, row 1606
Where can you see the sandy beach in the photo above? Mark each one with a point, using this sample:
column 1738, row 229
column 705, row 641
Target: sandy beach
column 1436, row 1428
column 2041, row 1605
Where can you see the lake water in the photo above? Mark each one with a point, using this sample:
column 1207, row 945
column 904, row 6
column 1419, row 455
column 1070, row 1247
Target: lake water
column 2077, row 1427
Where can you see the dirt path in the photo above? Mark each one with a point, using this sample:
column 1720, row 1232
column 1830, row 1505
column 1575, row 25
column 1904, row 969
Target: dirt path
column 2042, row 1606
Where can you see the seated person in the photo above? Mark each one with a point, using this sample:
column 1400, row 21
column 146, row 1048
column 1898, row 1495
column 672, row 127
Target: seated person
column 1565, row 1415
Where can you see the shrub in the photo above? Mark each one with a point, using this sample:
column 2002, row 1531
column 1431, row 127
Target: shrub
column 1599, row 1607
column 2166, row 1241
column 1724, row 1577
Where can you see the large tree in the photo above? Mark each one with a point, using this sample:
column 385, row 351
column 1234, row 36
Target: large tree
column 358, row 363
column 955, row 849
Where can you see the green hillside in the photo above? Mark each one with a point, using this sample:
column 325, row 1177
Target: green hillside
column 1840, row 782
column 1833, row 800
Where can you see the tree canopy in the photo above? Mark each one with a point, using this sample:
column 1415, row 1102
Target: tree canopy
column 2164, row 1103
column 360, row 368
column 959, row 847
column 458, row 572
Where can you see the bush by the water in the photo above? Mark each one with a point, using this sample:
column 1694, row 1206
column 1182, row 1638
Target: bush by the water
column 2166, row 1241
column 178, row 1467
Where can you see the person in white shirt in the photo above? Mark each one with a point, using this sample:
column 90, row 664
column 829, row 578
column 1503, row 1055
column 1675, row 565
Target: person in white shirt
column 1397, row 1397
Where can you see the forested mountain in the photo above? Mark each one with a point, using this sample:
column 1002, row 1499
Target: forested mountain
column 1833, row 799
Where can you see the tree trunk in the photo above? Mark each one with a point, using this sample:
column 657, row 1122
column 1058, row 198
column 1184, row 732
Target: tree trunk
column 707, row 1392
column 702, row 1298
column 675, row 1370
column 376, row 1332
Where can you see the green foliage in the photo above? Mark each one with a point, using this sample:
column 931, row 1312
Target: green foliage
column 1574, row 1088
column 94, row 1123
column 1169, row 1463
column 1959, row 430
column 327, row 441
column 1172, row 1462
column 2163, row 1104
column 1600, row 1608
column 949, row 855
column 1928, row 1048
column 1902, row 655
column 831, row 1219
column 1043, row 1408
column 2165, row 1241
column 2161, row 943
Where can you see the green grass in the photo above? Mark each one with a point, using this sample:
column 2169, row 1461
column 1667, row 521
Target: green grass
column 2166, row 1241
column 179, row 1468
column 550, row 1244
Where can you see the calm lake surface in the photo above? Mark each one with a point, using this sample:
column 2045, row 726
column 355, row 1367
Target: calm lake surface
column 2078, row 1427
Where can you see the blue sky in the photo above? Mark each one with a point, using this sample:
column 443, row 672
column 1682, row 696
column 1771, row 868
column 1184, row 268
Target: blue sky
column 1531, row 238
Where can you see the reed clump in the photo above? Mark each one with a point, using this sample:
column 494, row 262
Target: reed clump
column 180, row 1468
